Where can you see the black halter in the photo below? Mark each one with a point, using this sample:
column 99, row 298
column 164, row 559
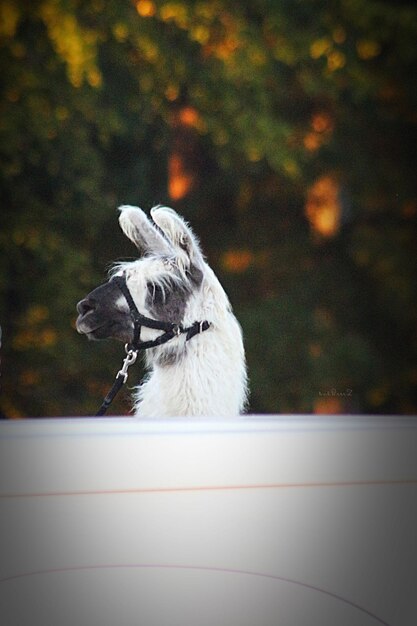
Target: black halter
column 170, row 330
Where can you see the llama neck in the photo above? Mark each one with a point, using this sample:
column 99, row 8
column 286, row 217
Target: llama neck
column 206, row 378
column 202, row 377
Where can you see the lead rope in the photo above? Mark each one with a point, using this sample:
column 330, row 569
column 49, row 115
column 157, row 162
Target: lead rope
column 121, row 378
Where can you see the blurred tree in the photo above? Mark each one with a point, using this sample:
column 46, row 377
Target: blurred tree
column 285, row 132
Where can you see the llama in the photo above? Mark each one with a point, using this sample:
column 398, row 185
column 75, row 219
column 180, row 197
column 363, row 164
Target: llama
column 200, row 370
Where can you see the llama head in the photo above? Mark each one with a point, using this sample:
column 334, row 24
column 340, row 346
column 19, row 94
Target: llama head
column 161, row 282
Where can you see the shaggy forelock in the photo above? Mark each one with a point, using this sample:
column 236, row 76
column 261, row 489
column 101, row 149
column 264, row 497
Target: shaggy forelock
column 171, row 273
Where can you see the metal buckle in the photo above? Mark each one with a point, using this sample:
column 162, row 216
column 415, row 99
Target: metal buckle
column 176, row 329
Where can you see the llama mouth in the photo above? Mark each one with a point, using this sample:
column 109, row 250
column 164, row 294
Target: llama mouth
column 105, row 330
column 84, row 328
column 95, row 334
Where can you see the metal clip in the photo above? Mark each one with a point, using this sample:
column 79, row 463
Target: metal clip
column 131, row 356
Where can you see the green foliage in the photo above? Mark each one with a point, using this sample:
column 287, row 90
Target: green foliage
column 271, row 108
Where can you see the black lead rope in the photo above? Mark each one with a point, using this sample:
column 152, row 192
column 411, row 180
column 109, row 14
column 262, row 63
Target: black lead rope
column 121, row 378
column 132, row 349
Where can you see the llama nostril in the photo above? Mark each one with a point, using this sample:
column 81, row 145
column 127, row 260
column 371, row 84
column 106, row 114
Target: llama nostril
column 85, row 306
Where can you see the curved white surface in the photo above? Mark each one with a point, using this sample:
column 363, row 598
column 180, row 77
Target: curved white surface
column 286, row 521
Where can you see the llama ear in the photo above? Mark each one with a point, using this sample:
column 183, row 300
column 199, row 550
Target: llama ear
column 139, row 229
column 178, row 232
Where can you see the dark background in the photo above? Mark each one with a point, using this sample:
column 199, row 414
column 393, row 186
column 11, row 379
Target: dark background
column 284, row 132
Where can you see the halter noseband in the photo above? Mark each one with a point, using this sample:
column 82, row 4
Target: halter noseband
column 170, row 329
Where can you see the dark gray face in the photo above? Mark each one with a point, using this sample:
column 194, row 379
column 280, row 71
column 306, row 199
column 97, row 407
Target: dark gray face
column 104, row 313
column 169, row 304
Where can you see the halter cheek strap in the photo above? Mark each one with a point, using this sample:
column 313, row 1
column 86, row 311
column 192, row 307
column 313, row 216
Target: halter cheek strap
column 170, row 331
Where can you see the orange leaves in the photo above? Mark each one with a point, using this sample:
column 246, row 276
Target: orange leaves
column 180, row 180
column 237, row 261
column 29, row 338
column 75, row 44
column 324, row 47
column 323, row 207
column 217, row 31
column 321, row 122
column 330, row 405
column 9, row 19
column 146, row 8
column 34, row 331
column 367, row 49
column 188, row 116
column 181, row 173
column 321, row 128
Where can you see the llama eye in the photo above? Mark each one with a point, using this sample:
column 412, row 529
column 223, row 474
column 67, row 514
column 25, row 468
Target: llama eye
column 156, row 293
